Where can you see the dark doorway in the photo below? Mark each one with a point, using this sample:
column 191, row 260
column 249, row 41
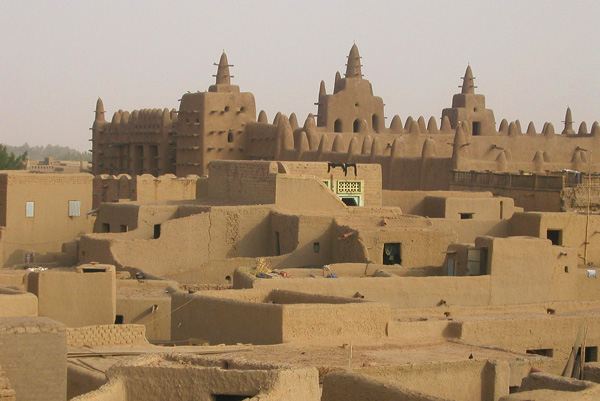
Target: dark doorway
column 392, row 254
column 476, row 128
column 277, row 244
column 156, row 231
column 555, row 236
column 337, row 125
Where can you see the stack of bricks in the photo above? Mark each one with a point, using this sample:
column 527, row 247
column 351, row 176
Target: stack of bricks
column 6, row 391
column 107, row 336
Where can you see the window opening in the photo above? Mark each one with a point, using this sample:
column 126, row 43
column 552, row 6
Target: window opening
column 230, row 137
column 228, row 397
column 591, row 354
column 476, row 128
column 466, row 216
column 549, row 352
column 156, row 231
column 74, row 208
column 555, row 236
column 350, row 200
column 119, row 319
column 124, row 228
column 105, row 228
column 392, row 254
column 29, row 209
column 355, row 125
column 476, row 261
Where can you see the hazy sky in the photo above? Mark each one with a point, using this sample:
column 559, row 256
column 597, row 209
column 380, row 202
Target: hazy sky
column 530, row 58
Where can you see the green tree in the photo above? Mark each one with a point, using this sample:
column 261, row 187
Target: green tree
column 8, row 161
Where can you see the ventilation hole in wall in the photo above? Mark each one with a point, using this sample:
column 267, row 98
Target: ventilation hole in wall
column 550, row 311
column 228, row 278
column 566, row 269
column 548, row 352
column 242, row 109
column 316, row 247
column 226, row 108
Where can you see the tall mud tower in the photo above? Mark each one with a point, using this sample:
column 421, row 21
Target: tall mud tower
column 211, row 124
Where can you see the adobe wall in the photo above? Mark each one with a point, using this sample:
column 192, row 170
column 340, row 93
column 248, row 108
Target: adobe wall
column 351, row 386
column 170, row 376
column 112, row 335
column 143, row 188
column 75, row 298
column 242, row 183
column 528, row 199
column 146, row 302
column 419, row 246
column 467, row 230
column 17, row 303
column 413, row 202
column 112, row 188
column 528, row 270
column 370, row 174
column 41, row 342
column 540, row 385
column 291, row 193
column 298, row 235
column 556, row 332
column 409, row 292
column 81, row 379
column 453, row 208
column 111, row 391
column 216, row 320
column 136, row 220
column 224, row 232
column 270, row 317
column 470, row 380
column 45, row 233
column 572, row 226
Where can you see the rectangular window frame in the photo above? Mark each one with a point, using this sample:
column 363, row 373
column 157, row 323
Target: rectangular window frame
column 74, row 208
column 29, row 209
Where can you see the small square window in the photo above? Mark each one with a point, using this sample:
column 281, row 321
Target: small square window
column 29, row 209
column 74, row 208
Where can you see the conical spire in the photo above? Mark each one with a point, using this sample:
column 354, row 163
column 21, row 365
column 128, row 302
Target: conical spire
column 353, row 67
column 322, row 90
column 568, row 123
column 468, row 86
column 99, row 110
column 223, row 77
